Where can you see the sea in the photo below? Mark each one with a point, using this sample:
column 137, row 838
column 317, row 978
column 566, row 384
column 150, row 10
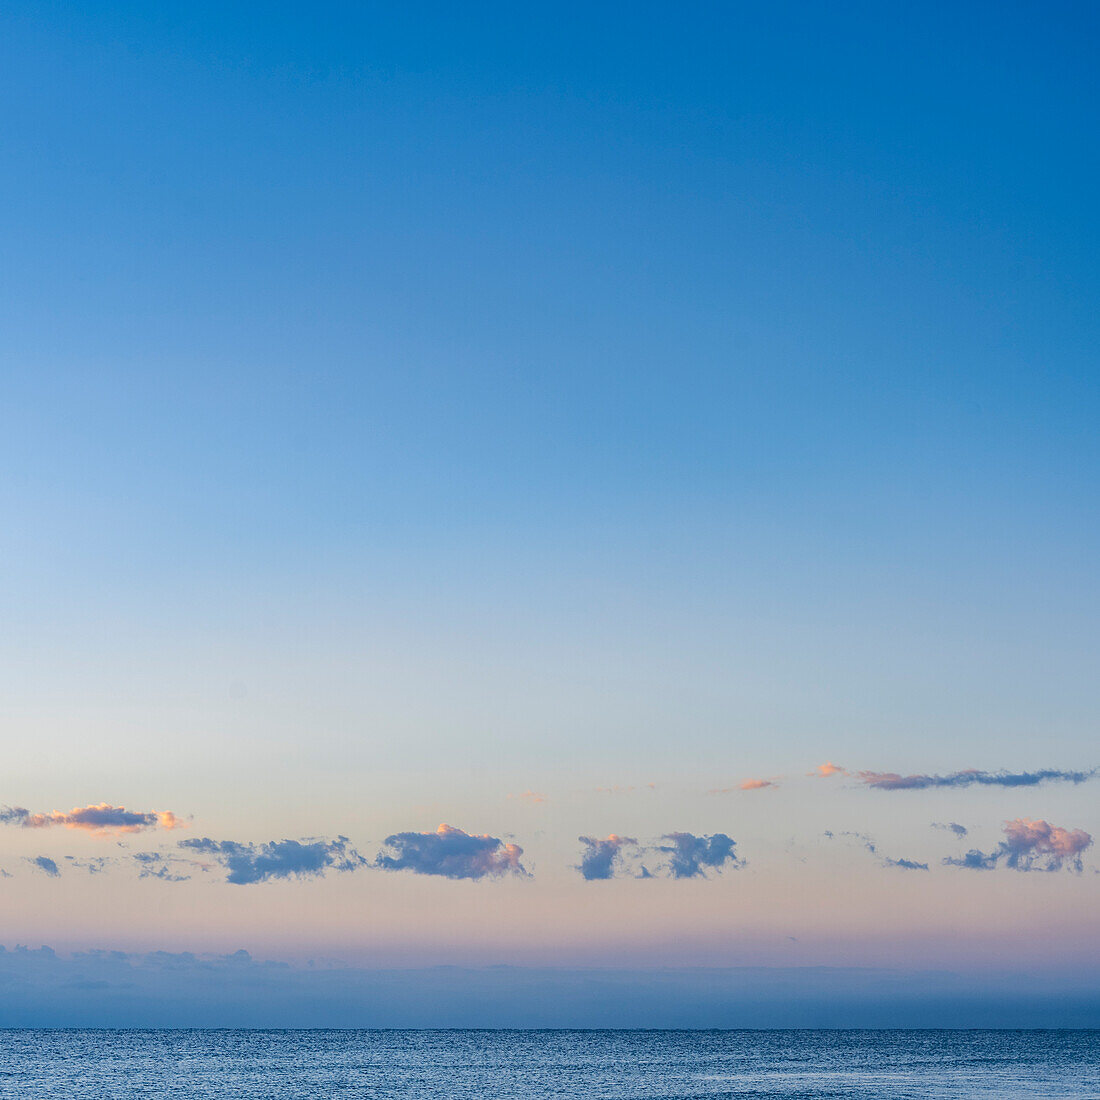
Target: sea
column 537, row 1065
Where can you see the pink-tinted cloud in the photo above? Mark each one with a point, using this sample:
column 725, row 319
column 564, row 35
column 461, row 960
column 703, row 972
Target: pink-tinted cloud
column 824, row 771
column 747, row 785
column 1026, row 838
column 532, row 798
column 1031, row 846
column 99, row 818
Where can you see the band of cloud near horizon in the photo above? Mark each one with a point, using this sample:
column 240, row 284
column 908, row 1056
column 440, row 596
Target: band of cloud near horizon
column 106, row 987
column 106, row 819
column 452, row 853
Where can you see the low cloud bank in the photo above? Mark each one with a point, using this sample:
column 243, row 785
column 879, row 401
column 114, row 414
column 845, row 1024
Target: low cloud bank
column 179, row 989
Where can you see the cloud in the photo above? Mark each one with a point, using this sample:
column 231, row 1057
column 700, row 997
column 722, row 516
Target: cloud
column 824, row 771
column 278, row 859
column 451, row 853
column 45, row 865
column 747, row 785
column 951, row 826
column 159, row 865
column 683, row 855
column 602, row 858
column 892, row 781
column 1028, row 839
column 532, row 798
column 94, row 866
column 974, row 860
column 862, row 838
column 905, row 864
column 100, row 818
column 690, row 855
column 1030, row 846
column 886, row 861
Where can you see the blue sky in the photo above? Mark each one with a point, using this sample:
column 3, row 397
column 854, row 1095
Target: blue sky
column 406, row 409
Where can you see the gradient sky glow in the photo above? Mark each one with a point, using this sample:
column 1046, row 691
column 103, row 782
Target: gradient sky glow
column 554, row 423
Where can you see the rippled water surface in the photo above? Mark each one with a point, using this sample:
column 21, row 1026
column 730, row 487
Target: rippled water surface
column 532, row 1065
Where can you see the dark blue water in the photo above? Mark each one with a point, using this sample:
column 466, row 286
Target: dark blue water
column 532, row 1065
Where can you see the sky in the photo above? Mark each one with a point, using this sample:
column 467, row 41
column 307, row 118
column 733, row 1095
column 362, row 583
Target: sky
column 554, row 488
